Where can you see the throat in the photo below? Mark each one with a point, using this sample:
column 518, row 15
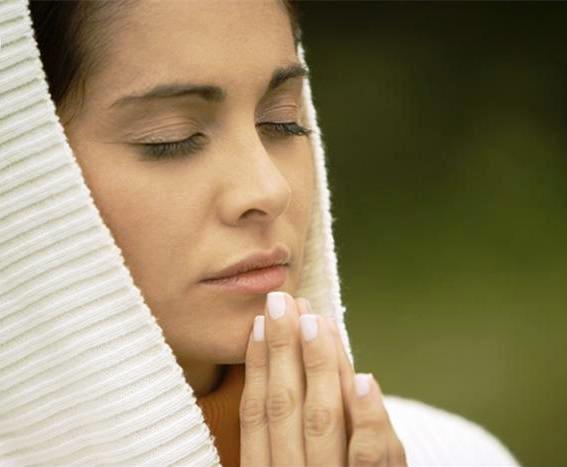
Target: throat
column 204, row 378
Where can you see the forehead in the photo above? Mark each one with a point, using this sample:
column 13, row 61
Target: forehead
column 221, row 41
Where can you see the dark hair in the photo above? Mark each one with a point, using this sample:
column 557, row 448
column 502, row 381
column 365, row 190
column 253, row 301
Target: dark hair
column 68, row 35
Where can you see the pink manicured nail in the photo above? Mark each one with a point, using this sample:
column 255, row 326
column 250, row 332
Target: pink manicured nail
column 308, row 322
column 362, row 384
column 259, row 328
column 276, row 304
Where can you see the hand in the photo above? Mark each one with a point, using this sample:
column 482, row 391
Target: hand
column 299, row 406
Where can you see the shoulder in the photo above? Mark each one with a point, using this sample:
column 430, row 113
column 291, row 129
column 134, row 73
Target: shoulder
column 433, row 436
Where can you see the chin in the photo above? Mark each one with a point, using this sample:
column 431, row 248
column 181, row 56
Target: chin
column 235, row 353
column 227, row 347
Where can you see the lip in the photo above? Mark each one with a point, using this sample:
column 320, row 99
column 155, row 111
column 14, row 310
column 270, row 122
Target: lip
column 256, row 281
column 261, row 259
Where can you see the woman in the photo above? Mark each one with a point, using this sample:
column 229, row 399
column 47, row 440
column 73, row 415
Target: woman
column 168, row 146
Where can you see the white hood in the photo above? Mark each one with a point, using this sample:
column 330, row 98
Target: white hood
column 86, row 376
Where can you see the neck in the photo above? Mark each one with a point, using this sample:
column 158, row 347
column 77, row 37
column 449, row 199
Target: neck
column 203, row 377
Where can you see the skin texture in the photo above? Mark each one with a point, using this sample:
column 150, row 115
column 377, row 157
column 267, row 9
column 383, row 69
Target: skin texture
column 179, row 220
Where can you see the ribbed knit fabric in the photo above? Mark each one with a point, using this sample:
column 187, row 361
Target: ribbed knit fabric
column 86, row 377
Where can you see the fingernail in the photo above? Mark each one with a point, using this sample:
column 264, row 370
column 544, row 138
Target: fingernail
column 259, row 328
column 309, row 326
column 276, row 304
column 362, row 384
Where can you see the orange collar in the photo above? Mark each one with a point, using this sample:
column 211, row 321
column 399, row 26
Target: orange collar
column 221, row 412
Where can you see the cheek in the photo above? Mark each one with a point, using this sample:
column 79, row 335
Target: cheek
column 151, row 216
column 302, row 181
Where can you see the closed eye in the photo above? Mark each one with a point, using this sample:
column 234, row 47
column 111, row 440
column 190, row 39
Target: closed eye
column 286, row 128
column 196, row 142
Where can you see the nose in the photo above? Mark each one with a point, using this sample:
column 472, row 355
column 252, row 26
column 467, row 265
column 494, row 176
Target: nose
column 256, row 189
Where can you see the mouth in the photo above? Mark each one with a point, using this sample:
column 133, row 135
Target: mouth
column 259, row 272
column 256, row 281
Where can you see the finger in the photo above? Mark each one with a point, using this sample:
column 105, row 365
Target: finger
column 397, row 453
column 324, row 428
column 346, row 373
column 254, row 435
column 303, row 305
column 286, row 386
column 371, row 425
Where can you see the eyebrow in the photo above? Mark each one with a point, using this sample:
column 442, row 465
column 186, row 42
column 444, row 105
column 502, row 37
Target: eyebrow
column 209, row 92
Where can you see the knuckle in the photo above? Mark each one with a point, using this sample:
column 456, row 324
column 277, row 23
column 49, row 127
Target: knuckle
column 256, row 362
column 319, row 421
column 280, row 341
column 252, row 413
column 371, row 420
column 317, row 363
column 367, row 452
column 280, row 404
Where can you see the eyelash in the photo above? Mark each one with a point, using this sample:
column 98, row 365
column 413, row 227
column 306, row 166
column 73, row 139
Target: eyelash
column 192, row 144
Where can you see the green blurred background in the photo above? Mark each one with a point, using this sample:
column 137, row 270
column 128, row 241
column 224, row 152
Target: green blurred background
column 444, row 125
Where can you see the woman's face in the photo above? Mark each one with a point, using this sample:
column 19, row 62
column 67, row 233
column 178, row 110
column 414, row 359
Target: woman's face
column 236, row 189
